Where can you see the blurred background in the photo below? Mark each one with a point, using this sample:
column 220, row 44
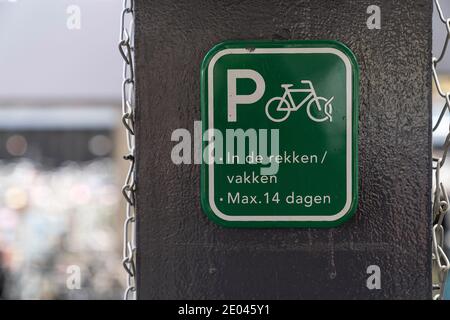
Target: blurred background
column 60, row 150
column 439, row 136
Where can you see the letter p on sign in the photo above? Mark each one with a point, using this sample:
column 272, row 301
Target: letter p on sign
column 234, row 99
column 292, row 88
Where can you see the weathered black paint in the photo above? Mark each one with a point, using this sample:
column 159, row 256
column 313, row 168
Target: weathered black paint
column 181, row 254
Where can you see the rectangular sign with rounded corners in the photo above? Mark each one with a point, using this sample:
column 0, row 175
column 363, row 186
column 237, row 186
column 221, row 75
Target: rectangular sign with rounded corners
column 279, row 133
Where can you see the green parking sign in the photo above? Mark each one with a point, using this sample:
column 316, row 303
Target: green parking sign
column 279, row 123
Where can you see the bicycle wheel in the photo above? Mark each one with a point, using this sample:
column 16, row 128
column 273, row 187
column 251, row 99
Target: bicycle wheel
column 278, row 109
column 319, row 114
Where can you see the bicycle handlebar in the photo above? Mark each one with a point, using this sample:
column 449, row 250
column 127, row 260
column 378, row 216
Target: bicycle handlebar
column 306, row 82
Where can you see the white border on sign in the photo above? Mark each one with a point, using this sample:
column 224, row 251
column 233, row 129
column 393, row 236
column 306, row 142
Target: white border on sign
column 281, row 218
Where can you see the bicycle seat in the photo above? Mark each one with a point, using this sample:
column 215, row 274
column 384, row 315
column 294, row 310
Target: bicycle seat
column 286, row 85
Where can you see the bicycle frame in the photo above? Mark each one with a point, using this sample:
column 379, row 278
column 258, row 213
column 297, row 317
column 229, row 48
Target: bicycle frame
column 293, row 106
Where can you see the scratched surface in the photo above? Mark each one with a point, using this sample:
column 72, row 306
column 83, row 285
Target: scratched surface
column 181, row 254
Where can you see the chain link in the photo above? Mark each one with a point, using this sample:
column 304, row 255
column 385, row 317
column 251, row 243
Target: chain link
column 441, row 264
column 126, row 49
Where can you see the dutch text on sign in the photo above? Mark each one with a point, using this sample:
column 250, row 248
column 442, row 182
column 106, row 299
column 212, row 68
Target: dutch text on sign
column 279, row 133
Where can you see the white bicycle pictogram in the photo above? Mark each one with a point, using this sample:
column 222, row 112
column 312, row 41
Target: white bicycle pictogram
column 278, row 109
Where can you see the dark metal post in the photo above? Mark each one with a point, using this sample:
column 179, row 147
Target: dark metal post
column 181, row 254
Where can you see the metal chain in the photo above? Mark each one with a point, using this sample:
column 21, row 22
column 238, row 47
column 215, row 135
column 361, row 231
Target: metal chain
column 441, row 264
column 126, row 48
